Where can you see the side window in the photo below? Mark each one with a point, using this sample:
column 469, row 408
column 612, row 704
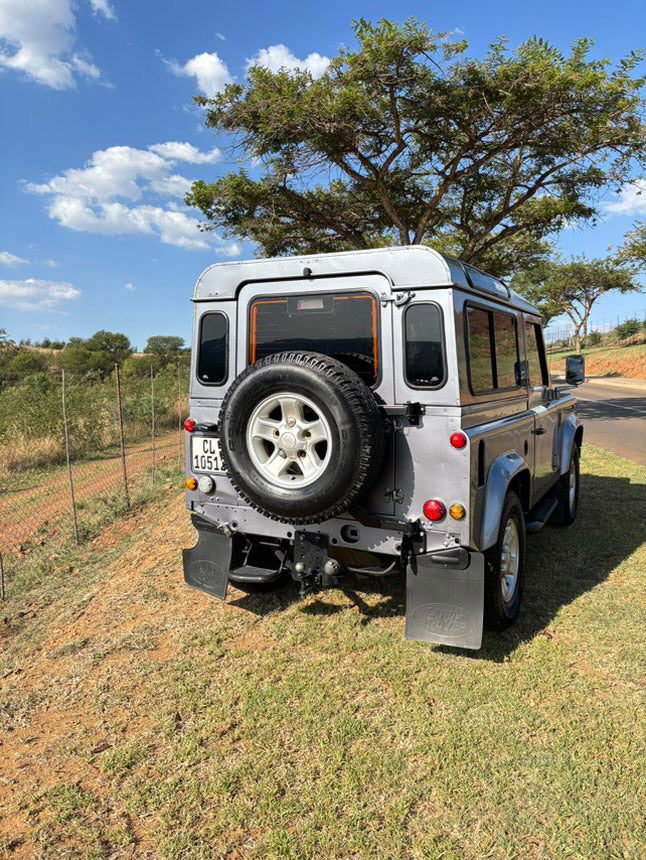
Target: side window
column 493, row 350
column 212, row 354
column 506, row 351
column 536, row 355
column 424, row 345
column 480, row 351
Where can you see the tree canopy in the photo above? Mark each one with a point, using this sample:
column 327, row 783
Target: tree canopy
column 404, row 139
column 634, row 247
column 557, row 287
column 165, row 346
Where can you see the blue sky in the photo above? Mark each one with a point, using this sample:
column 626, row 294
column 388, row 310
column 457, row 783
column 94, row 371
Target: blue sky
column 100, row 139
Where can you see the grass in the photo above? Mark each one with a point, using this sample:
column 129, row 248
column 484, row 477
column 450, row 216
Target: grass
column 158, row 721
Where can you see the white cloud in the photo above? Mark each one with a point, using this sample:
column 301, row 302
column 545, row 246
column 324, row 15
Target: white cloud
column 632, row 200
column 278, row 57
column 7, row 259
column 176, row 151
column 231, row 250
column 130, row 286
column 51, row 264
column 103, row 7
column 35, row 295
column 98, row 198
column 209, row 70
column 38, row 38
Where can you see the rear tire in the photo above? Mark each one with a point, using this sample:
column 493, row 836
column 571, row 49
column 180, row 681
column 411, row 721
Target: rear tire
column 568, row 492
column 505, row 567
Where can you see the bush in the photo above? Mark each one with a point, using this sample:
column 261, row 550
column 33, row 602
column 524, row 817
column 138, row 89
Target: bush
column 628, row 328
column 594, row 338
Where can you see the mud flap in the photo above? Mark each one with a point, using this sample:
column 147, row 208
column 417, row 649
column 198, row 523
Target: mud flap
column 444, row 605
column 207, row 564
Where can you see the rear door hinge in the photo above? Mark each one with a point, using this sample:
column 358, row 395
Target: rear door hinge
column 394, row 495
column 401, row 298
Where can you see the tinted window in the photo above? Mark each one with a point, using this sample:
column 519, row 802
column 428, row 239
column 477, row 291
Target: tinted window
column 536, row 355
column 480, row 353
column 343, row 326
column 506, row 351
column 212, row 355
column 493, row 350
column 424, row 346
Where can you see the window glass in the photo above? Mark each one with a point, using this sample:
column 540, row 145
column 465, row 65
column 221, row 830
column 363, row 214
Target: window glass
column 480, row 356
column 212, row 356
column 424, row 345
column 536, row 355
column 343, row 326
column 506, row 351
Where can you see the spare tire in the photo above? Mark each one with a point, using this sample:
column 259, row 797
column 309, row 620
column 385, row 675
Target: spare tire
column 301, row 436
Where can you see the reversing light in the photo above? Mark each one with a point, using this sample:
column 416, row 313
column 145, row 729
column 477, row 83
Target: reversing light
column 191, row 483
column 205, row 484
column 458, row 439
column 189, row 425
column 434, row 510
column 457, row 512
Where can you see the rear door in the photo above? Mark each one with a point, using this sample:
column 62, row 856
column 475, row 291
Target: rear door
column 348, row 318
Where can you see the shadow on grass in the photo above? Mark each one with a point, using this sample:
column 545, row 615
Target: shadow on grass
column 562, row 564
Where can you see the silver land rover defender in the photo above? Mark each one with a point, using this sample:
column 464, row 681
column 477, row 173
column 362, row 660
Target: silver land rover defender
column 380, row 411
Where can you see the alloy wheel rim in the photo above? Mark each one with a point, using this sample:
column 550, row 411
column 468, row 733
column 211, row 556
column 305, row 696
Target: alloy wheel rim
column 572, row 486
column 289, row 440
column 509, row 560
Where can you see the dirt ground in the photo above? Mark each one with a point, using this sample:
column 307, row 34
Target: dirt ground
column 60, row 721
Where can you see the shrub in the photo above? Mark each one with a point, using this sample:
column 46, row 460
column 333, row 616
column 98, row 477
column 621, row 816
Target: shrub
column 628, row 328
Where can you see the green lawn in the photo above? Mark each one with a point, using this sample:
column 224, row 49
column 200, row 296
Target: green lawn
column 273, row 728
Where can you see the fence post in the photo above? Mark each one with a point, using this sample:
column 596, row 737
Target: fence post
column 2, row 577
column 152, row 418
column 121, row 439
column 179, row 417
column 67, row 457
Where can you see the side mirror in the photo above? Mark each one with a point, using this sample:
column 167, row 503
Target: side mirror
column 575, row 369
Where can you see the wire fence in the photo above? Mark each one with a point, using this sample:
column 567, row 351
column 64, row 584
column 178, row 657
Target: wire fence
column 561, row 334
column 78, row 451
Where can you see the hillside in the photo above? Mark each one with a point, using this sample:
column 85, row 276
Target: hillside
column 629, row 361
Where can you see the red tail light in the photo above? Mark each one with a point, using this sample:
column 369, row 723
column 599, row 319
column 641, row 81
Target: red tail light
column 434, row 510
column 189, row 425
column 458, row 439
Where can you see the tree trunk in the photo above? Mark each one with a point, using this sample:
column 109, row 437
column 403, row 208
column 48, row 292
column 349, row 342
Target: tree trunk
column 578, row 341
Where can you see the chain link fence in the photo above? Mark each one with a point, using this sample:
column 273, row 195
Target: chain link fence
column 78, row 451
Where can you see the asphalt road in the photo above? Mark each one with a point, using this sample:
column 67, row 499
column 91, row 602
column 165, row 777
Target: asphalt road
column 615, row 418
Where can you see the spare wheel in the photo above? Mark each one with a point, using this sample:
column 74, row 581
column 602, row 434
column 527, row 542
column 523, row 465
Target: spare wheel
column 301, row 435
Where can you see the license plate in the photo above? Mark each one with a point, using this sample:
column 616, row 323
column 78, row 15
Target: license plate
column 205, row 454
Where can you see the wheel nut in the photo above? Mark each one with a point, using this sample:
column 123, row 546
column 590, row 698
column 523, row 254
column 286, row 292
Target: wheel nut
column 281, row 453
column 291, row 422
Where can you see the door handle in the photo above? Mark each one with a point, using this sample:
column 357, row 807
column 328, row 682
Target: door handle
column 539, row 431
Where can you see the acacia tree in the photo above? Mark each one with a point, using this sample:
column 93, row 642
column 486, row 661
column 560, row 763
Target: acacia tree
column 572, row 288
column 404, row 140
column 634, row 247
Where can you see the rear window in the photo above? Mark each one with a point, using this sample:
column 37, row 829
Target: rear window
column 424, row 345
column 212, row 355
column 341, row 325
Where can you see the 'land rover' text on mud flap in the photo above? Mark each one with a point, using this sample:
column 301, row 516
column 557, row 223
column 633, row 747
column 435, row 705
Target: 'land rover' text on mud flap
column 444, row 604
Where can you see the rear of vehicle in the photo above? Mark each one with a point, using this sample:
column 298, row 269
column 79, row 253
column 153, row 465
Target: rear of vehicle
column 337, row 413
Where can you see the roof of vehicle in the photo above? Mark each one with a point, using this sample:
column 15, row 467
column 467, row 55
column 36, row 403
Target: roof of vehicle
column 405, row 266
